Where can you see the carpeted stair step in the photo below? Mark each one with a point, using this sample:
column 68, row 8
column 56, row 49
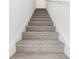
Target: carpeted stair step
column 41, row 23
column 41, row 28
column 40, row 35
column 41, row 19
column 40, row 46
column 40, row 16
column 40, row 12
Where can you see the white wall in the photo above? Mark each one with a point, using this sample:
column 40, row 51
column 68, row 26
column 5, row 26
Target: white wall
column 40, row 3
column 20, row 13
column 59, row 12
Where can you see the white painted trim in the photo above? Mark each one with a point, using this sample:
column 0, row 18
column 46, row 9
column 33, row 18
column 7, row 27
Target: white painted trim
column 62, row 37
column 12, row 50
column 12, row 47
column 15, row 40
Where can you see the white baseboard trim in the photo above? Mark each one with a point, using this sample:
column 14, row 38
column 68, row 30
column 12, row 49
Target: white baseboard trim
column 62, row 37
column 12, row 47
column 12, row 50
column 18, row 37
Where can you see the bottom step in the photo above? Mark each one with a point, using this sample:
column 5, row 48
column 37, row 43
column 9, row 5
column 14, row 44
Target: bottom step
column 40, row 56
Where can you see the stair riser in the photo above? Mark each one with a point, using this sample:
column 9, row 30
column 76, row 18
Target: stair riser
column 41, row 12
column 39, row 9
column 41, row 28
column 53, row 42
column 40, row 19
column 41, row 23
column 47, row 22
column 40, row 16
column 40, row 36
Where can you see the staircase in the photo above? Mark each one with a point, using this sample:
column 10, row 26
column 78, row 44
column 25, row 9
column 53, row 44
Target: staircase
column 40, row 41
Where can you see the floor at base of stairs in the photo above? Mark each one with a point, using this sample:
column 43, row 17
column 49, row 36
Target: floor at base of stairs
column 40, row 56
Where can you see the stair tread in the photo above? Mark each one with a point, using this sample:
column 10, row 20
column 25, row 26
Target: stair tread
column 41, row 16
column 40, row 26
column 38, row 19
column 41, row 23
column 42, row 33
column 40, row 56
column 35, row 26
column 40, row 41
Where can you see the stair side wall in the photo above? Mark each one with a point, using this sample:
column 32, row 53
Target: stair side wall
column 20, row 14
column 59, row 13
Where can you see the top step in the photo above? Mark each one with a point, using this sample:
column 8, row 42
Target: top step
column 38, row 9
column 41, row 11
